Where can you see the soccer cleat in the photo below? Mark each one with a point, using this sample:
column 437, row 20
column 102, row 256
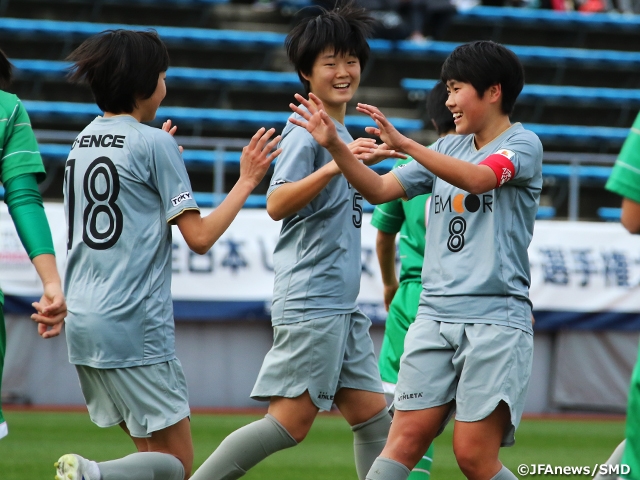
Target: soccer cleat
column 75, row 467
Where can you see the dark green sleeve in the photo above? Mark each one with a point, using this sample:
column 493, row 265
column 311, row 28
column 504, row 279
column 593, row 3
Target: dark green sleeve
column 27, row 211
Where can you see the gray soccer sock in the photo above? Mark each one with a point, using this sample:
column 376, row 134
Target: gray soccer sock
column 614, row 459
column 244, row 448
column 369, row 439
column 504, row 474
column 143, row 466
column 387, row 469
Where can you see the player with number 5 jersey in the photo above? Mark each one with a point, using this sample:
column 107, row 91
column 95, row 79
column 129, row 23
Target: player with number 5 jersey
column 125, row 185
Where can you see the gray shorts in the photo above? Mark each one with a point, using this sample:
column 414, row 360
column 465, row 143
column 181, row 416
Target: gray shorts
column 322, row 356
column 147, row 398
column 477, row 365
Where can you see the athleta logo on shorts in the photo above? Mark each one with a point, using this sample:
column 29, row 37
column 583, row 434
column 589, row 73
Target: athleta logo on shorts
column 177, row 200
column 325, row 396
column 406, row 396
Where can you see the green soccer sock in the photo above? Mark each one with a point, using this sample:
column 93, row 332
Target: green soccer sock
column 143, row 466
column 369, row 439
column 244, row 448
column 422, row 470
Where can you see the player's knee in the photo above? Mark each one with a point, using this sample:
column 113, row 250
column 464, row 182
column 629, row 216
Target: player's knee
column 470, row 459
column 407, row 445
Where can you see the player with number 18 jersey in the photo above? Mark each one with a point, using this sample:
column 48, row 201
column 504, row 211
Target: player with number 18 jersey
column 118, row 278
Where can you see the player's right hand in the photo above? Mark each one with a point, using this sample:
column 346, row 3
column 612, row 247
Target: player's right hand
column 257, row 156
column 51, row 311
column 318, row 122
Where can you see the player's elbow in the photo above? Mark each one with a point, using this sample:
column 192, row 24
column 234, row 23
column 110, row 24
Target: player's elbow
column 274, row 211
column 198, row 244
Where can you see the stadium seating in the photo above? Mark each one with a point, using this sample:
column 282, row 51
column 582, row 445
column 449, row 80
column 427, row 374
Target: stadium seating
column 541, row 18
column 609, row 214
column 246, row 39
column 568, row 95
column 251, row 119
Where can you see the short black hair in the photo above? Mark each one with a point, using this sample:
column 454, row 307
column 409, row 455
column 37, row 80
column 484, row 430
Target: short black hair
column 5, row 71
column 485, row 63
column 345, row 28
column 438, row 111
column 120, row 66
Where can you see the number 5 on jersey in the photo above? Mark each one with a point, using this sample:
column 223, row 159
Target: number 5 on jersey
column 102, row 219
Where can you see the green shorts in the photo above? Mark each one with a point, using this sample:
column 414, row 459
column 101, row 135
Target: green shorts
column 321, row 356
column 477, row 365
column 147, row 398
column 631, row 455
column 402, row 313
column 3, row 347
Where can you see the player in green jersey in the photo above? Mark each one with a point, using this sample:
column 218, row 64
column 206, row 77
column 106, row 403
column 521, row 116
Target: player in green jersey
column 21, row 170
column 401, row 299
column 625, row 181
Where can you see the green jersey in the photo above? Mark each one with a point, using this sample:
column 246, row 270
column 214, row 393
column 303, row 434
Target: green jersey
column 408, row 218
column 19, row 153
column 625, row 178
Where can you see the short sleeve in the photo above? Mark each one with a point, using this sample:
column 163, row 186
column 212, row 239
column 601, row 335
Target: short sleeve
column 170, row 176
column 414, row 178
column 524, row 151
column 296, row 161
column 388, row 217
column 625, row 177
column 20, row 154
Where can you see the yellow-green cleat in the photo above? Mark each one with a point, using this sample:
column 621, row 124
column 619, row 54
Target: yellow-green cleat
column 74, row 467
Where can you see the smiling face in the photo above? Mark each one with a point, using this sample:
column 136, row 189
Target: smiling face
column 334, row 78
column 148, row 107
column 469, row 110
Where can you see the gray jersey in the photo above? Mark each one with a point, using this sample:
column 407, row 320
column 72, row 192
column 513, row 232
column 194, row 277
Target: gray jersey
column 476, row 269
column 317, row 257
column 124, row 183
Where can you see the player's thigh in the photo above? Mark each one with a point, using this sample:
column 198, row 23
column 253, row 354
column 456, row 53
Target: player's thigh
column 359, row 370
column 305, row 357
column 494, row 365
column 296, row 415
column 427, row 377
column 481, row 440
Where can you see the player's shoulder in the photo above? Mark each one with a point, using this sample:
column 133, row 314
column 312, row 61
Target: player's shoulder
column 8, row 104
column 518, row 134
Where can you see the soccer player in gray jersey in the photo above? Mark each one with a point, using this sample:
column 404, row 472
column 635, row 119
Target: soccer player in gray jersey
column 322, row 353
column 470, row 349
column 125, row 184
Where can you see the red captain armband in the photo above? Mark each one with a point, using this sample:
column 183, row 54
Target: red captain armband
column 500, row 163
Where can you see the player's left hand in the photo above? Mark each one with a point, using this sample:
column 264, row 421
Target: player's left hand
column 166, row 126
column 379, row 153
column 318, row 123
column 386, row 131
column 51, row 311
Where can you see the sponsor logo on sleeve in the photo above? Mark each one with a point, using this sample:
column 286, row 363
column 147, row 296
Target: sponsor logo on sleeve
column 278, row 182
column 178, row 199
column 506, row 153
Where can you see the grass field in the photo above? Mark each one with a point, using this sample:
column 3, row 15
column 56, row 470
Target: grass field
column 37, row 439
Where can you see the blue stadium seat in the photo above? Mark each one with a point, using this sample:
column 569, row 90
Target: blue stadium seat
column 550, row 18
column 609, row 214
column 85, row 112
column 545, row 213
column 17, row 27
column 551, row 93
column 209, row 77
column 585, row 172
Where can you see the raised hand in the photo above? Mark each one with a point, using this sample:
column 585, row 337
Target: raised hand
column 166, row 126
column 381, row 152
column 256, row 159
column 316, row 120
column 385, row 130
